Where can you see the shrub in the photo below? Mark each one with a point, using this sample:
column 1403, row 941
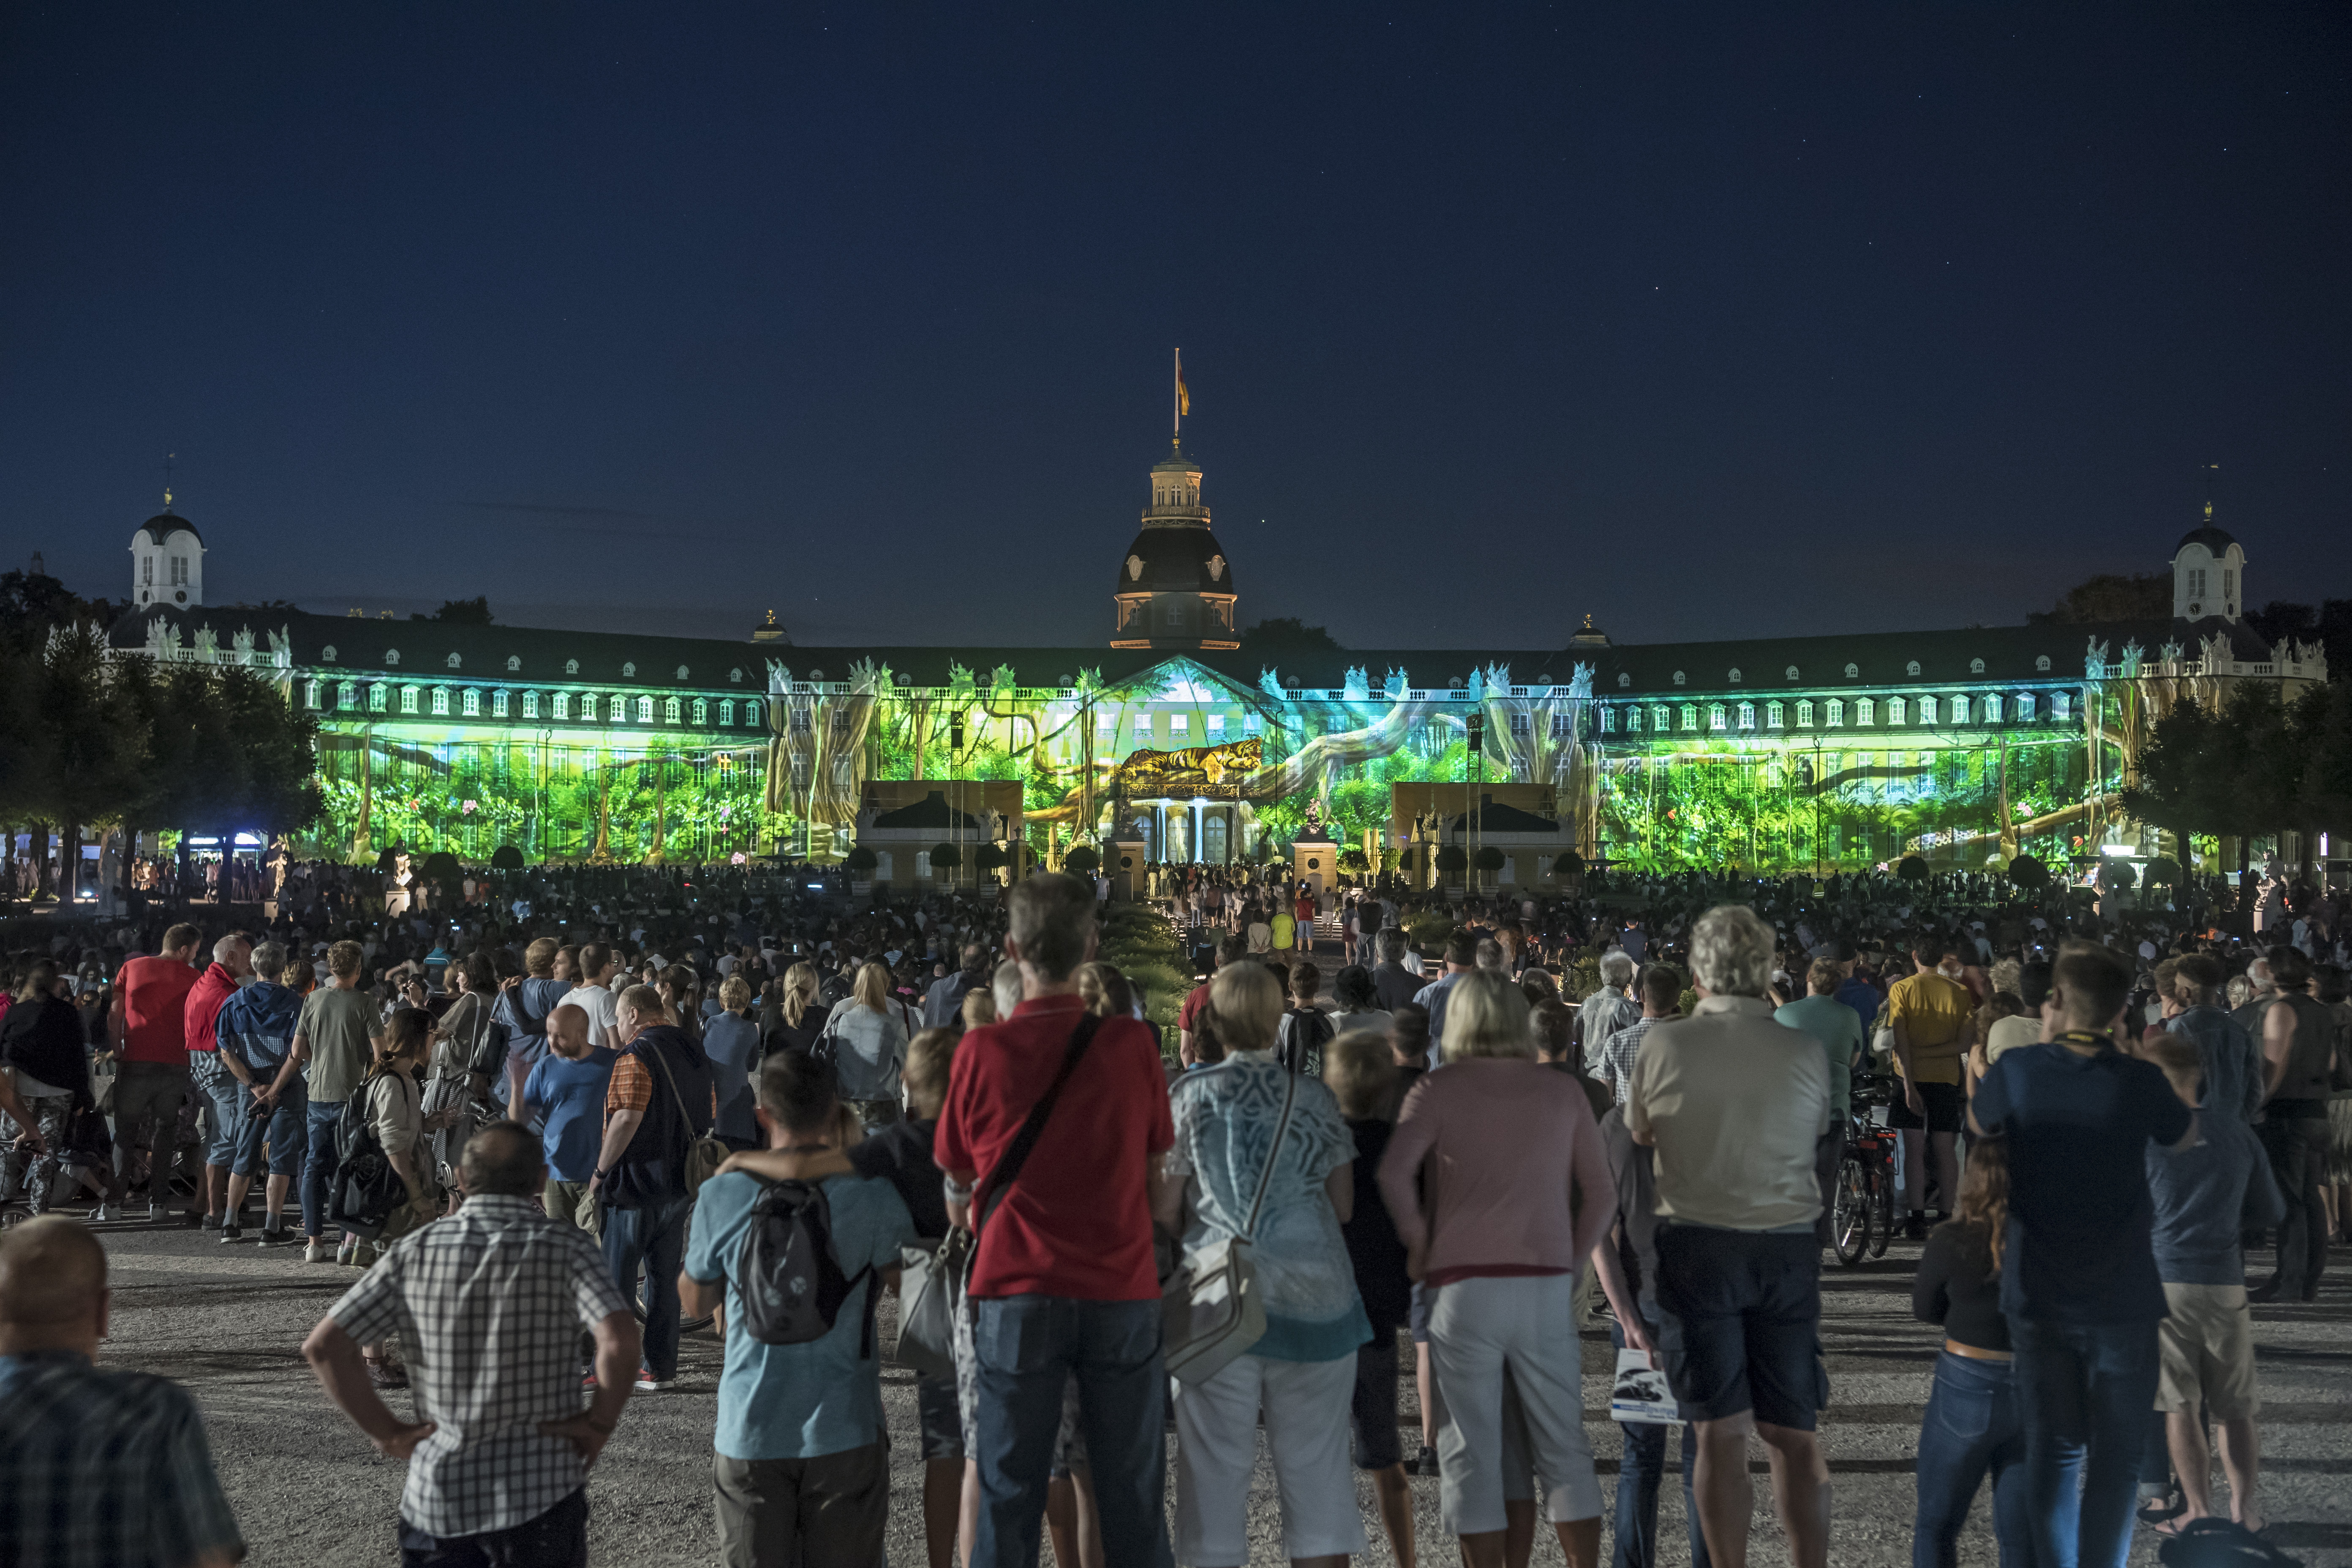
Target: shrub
column 1082, row 862
column 1912, row 868
column 2029, row 873
column 946, row 855
column 860, row 858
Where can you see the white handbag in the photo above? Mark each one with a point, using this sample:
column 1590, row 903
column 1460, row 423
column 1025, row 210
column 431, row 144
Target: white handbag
column 1212, row 1311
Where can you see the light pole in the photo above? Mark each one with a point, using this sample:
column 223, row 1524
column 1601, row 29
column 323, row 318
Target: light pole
column 1472, row 827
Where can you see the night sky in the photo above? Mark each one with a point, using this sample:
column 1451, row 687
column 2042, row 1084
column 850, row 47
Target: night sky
column 1732, row 323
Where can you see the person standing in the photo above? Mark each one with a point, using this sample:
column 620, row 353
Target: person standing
column 2232, row 1064
column 493, row 1298
column 2078, row 1284
column 1820, row 1014
column 1063, row 1281
column 96, row 1467
column 232, row 965
column 41, row 1044
column 943, row 1003
column 1736, row 1105
column 592, row 993
column 1612, row 1007
column 869, row 1030
column 148, row 1028
column 1933, row 1017
column 731, row 1041
column 1461, row 958
column 2298, row 1048
column 1662, row 999
column 564, row 1097
column 255, row 1040
column 801, row 1462
column 1499, row 1189
column 333, row 1049
column 660, row 1100
column 1393, row 983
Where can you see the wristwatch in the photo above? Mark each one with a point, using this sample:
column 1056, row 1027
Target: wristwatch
column 957, row 1192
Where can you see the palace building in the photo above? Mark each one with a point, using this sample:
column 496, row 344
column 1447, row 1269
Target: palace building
column 1823, row 751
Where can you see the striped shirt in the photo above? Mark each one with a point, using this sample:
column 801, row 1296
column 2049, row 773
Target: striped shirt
column 104, row 1469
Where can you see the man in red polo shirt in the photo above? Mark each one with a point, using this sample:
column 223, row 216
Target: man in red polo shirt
column 232, row 965
column 149, row 1033
column 1232, row 949
column 1064, row 1284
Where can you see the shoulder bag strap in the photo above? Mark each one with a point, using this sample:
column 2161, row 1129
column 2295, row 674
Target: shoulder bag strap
column 674, row 1098
column 1016, row 1155
column 1273, row 1150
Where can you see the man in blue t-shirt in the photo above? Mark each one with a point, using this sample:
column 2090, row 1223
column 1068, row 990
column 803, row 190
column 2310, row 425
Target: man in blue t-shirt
column 565, row 1092
column 803, row 1471
column 2079, row 1283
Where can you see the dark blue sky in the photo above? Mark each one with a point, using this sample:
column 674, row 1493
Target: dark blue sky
column 1712, row 323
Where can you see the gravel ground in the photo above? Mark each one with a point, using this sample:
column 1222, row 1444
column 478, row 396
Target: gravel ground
column 229, row 1321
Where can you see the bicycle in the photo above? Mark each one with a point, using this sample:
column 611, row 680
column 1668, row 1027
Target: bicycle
column 1862, row 1217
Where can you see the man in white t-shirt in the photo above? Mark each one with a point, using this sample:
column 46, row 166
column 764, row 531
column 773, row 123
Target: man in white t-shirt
column 591, row 992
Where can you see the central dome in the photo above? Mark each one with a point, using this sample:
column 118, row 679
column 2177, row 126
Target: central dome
column 1174, row 588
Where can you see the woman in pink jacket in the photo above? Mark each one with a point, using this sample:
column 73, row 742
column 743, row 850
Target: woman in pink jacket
column 1497, row 1182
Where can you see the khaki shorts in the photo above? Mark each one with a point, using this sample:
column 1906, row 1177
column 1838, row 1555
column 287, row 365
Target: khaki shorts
column 2206, row 1350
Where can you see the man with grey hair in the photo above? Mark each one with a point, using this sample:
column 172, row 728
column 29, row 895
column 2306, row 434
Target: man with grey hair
column 255, row 1038
column 1393, row 983
column 232, row 965
column 1608, row 1009
column 2249, row 1017
column 1735, row 1105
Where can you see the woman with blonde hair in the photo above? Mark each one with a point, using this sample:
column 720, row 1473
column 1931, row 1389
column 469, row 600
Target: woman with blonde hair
column 731, row 1041
column 799, row 1019
column 1519, row 1192
column 868, row 1030
column 1263, row 1155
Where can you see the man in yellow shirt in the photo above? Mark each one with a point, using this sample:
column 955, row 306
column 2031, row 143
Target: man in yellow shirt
column 1933, row 1017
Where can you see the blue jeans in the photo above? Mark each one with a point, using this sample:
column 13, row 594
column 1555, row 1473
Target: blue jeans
column 2084, row 1393
column 1026, row 1348
column 319, row 1169
column 653, row 1238
column 1639, row 1476
column 228, row 1097
column 1972, row 1425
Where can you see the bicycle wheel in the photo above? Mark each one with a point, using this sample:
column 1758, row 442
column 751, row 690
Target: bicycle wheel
column 1882, row 1210
column 1850, row 1210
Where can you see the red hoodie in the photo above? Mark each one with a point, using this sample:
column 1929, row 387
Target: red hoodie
column 210, row 992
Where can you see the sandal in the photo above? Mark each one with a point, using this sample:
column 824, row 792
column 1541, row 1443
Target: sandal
column 2157, row 1512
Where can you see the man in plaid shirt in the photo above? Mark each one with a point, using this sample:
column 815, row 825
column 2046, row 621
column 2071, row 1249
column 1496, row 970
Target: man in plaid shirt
column 489, row 1304
column 1661, row 998
column 97, row 1469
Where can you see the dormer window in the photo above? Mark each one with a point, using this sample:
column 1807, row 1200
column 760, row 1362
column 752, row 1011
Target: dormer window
column 1608, row 720
column 1836, row 711
column 327, row 654
column 441, row 700
column 1623, row 681
column 1959, row 709
column 514, row 662
column 1894, row 711
column 1690, row 715
column 1805, row 713
column 471, row 704
column 571, row 666
column 1852, row 671
column 1976, row 666
column 1748, row 715
column 378, row 695
column 1992, row 710
column 1735, row 676
column 629, row 670
column 408, row 696
column 1865, row 711
column 701, row 711
column 1790, row 673
column 669, row 710
column 1678, row 678
column 737, row 674
column 454, row 661
column 2062, row 706
column 2025, row 707
column 1927, row 710
column 391, row 659
column 681, row 672
column 562, row 705
column 1714, row 716
column 1633, row 719
column 1912, row 669
column 1776, row 714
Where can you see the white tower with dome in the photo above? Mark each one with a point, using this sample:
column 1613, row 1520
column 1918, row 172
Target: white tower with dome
column 167, row 561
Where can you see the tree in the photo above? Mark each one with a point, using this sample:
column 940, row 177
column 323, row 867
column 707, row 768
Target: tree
column 946, row 855
column 505, row 857
column 34, row 604
column 473, row 612
column 991, row 856
column 2112, row 596
column 1489, row 859
column 1452, row 859
column 1912, row 868
column 1285, row 634
column 860, row 860
column 1082, row 860
column 2028, row 873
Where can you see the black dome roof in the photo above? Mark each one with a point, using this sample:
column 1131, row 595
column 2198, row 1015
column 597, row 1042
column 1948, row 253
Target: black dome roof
column 164, row 524
column 1174, row 561
column 2212, row 538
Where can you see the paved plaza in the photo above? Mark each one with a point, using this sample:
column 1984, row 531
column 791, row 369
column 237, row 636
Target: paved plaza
column 228, row 1322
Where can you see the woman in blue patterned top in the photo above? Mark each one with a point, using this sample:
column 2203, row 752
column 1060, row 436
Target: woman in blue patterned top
column 1302, row 1373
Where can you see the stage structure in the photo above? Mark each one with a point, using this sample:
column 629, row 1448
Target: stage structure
column 1826, row 752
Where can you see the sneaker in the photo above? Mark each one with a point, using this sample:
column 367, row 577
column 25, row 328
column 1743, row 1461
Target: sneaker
column 212, row 1222
column 275, row 1235
column 316, row 1251
column 1424, row 1463
column 1915, row 1226
column 648, row 1383
column 231, row 1231
column 105, row 1213
column 589, row 1383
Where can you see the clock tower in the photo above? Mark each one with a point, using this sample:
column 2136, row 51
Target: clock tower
column 1175, row 588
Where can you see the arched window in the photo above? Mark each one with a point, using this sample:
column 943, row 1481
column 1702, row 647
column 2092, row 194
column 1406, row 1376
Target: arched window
column 2025, row 708
column 309, row 694
column 408, row 695
column 588, row 707
column 471, row 704
column 646, row 710
column 1865, row 711
column 1714, row 716
column 2062, row 706
column 1748, row 715
column 1992, row 710
column 1894, row 711
column 1690, row 715
column 671, row 714
column 1804, row 712
column 1927, row 710
column 1776, row 714
column 726, row 712
column 531, row 704
column 1836, row 711
column 499, row 704
column 441, row 700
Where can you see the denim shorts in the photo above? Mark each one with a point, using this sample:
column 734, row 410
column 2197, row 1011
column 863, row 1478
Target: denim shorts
column 225, row 1111
column 284, row 1127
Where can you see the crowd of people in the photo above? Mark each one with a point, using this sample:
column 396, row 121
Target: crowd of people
column 551, row 1119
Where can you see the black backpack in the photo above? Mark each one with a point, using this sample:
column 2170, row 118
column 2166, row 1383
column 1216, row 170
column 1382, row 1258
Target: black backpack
column 1311, row 1030
column 2219, row 1543
column 365, row 1189
column 789, row 1275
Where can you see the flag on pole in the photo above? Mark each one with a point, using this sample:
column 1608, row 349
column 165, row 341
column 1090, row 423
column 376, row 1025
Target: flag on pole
column 1183, row 393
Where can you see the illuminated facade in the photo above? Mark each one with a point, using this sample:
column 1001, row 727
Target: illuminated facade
column 1782, row 754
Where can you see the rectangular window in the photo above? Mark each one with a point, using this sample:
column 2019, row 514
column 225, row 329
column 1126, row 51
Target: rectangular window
column 1522, row 726
column 1959, row 709
column 1927, row 710
column 1748, row 715
column 727, row 713
column 1690, row 715
column 347, row 696
column 1608, row 719
column 1775, row 715
column 588, row 707
column 669, row 709
column 1714, row 716
column 1252, row 724
column 1894, row 711
column 1835, row 715
column 1560, row 726
column 531, row 704
column 2061, row 705
column 146, row 570
column 441, row 700
column 2025, row 710
column 801, row 723
column 309, row 694
column 1805, row 712
column 562, row 708
column 1179, row 725
column 471, row 704
column 1661, row 720
column 1175, row 614
column 2228, row 588
column 1865, row 710
column 499, row 704
column 1633, row 719
column 409, row 700
column 646, row 713
column 701, row 711
column 1992, row 710
column 1217, row 726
